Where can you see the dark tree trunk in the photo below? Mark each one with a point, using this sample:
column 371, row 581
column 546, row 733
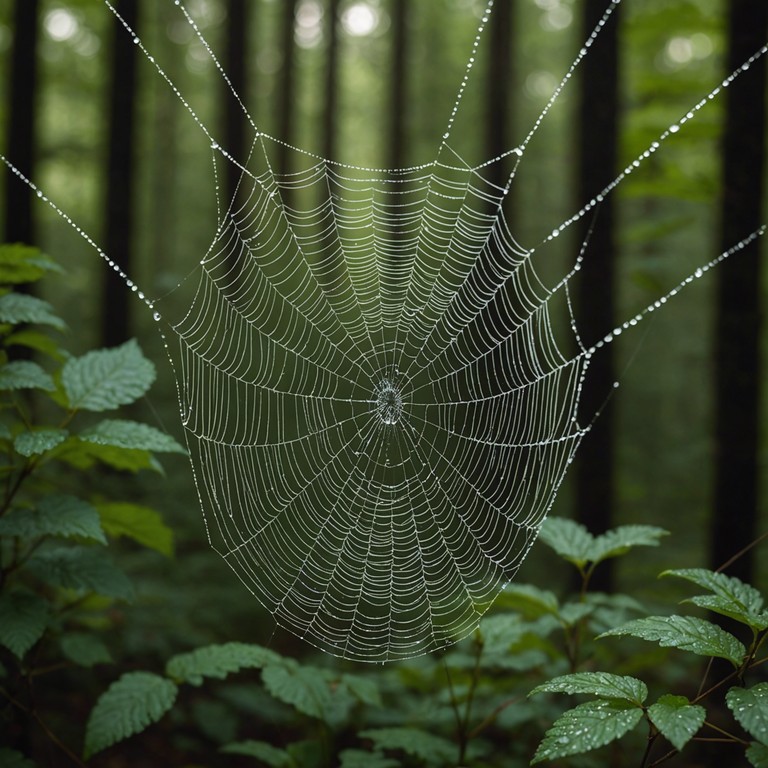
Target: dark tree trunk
column 22, row 91
column 331, row 80
column 235, row 62
column 119, row 210
column 499, row 91
column 739, row 285
column 398, row 92
column 597, row 160
column 286, row 86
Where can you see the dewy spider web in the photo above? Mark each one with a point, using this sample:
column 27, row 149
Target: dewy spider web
column 377, row 408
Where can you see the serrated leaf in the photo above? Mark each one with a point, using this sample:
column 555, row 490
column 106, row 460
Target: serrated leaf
column 262, row 751
column 127, row 707
column 359, row 758
column 364, row 689
column 733, row 610
column 757, row 754
column 619, row 541
column 32, row 339
column 63, row 516
column 131, row 434
column 569, row 539
column 602, row 684
column 84, row 650
column 750, row 708
column 426, row 746
column 728, row 587
column 84, row 569
column 305, row 688
column 39, row 441
column 20, row 263
column 586, row 727
column 83, row 455
column 529, row 600
column 218, row 661
column 686, row 633
column 573, row 613
column 142, row 524
column 23, row 619
column 18, row 308
column 107, row 378
column 24, row 374
column 10, row 758
column 745, row 596
column 677, row 719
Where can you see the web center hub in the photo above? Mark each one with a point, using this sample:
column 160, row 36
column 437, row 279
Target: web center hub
column 389, row 402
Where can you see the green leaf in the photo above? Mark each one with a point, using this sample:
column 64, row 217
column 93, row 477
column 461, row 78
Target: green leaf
column 359, row 758
column 757, row 754
column 426, row 746
column 84, row 650
column 619, row 541
column 726, row 607
column 571, row 540
column 107, row 378
column 305, row 688
column 18, row 308
column 262, row 751
column 132, row 435
column 10, row 758
column 127, row 707
column 531, row 601
column 24, row 374
column 142, row 524
column 686, row 633
column 32, row 339
column 218, row 661
column 64, row 516
column 84, row 569
column 39, row 441
column 677, row 719
column 23, row 619
column 750, row 708
column 732, row 597
column 364, row 689
column 573, row 613
column 21, row 263
column 602, row 684
column 586, row 727
column 83, row 455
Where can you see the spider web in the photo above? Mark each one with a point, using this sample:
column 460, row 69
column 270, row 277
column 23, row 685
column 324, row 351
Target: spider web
column 378, row 388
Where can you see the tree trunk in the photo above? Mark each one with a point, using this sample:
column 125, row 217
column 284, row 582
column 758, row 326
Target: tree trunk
column 22, row 91
column 398, row 92
column 331, row 80
column 286, row 88
column 119, row 210
column 739, row 287
column 499, row 90
column 597, row 160
column 235, row 65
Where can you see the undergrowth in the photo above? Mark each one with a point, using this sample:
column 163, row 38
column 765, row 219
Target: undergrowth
column 487, row 701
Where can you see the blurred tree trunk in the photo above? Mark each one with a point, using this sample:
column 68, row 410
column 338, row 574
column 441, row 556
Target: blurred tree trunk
column 739, row 287
column 235, row 65
column 286, row 87
column 331, row 80
column 119, row 209
column 399, row 92
column 597, row 160
column 20, row 142
column 499, row 89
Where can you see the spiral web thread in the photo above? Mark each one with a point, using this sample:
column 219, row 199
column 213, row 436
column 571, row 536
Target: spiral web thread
column 379, row 392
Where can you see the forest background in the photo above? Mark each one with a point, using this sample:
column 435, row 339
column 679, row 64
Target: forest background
column 680, row 445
